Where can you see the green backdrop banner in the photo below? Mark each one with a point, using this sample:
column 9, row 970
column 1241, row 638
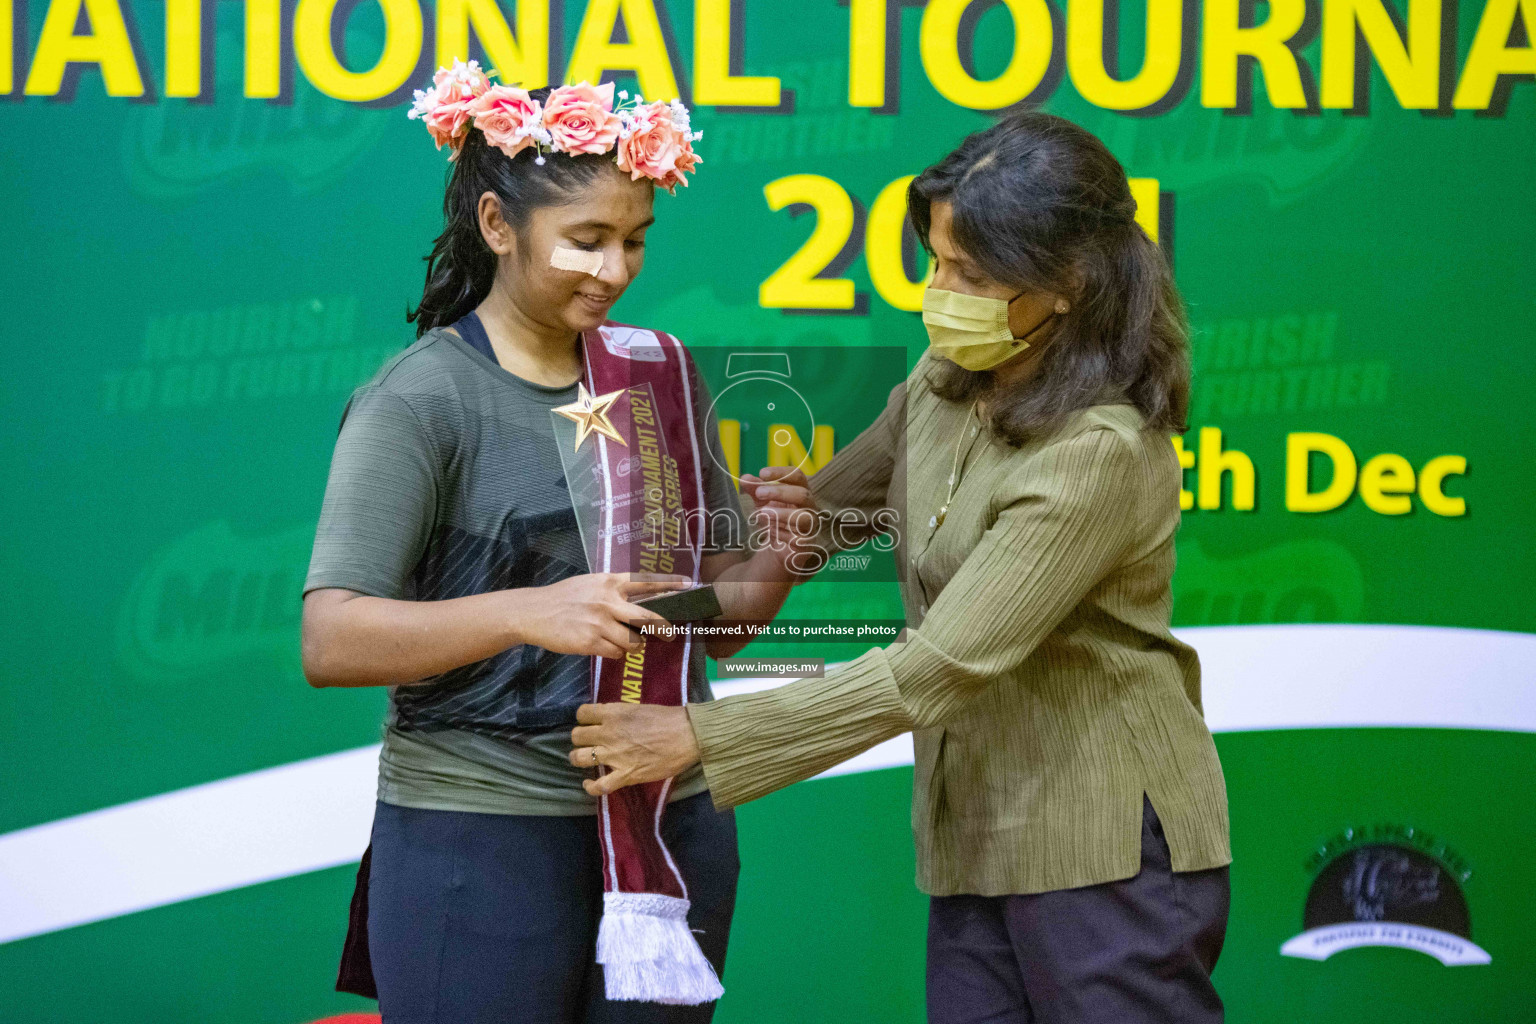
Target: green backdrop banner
column 216, row 214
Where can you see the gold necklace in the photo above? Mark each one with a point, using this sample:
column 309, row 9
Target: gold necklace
column 954, row 467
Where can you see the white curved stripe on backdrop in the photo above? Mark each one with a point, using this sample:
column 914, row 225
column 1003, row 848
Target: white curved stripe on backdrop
column 316, row 813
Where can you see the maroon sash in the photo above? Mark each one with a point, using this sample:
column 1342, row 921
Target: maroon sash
column 644, row 943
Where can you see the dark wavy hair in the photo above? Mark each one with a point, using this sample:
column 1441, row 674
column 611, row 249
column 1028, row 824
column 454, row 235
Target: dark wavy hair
column 461, row 266
column 1041, row 205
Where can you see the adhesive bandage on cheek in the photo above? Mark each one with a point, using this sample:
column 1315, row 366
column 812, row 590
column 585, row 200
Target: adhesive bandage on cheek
column 576, row 259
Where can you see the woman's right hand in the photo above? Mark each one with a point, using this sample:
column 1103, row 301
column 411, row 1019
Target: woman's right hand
column 592, row 613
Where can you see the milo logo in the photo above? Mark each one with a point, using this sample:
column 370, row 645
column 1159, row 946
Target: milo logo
column 213, row 596
column 1300, row 581
column 1192, row 146
column 175, row 148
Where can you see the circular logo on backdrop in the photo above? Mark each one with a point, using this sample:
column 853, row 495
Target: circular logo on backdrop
column 1387, row 886
column 759, row 393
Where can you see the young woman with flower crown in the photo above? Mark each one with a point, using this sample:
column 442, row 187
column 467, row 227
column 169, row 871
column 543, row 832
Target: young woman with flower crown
column 448, row 566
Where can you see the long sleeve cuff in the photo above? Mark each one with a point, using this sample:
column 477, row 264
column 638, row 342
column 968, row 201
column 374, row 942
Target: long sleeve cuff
column 755, row 743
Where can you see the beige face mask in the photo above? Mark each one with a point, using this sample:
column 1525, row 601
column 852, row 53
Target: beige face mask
column 972, row 330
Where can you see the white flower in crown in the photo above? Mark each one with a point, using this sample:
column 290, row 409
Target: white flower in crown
column 679, row 114
column 426, row 99
column 468, row 78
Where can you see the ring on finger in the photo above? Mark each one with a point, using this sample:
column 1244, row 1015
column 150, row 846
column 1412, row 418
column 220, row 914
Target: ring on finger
column 593, row 752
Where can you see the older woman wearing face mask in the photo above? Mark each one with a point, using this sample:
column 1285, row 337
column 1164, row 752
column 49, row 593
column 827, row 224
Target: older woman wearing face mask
column 1069, row 809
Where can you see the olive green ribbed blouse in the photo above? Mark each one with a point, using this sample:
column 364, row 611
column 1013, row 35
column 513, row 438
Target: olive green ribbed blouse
column 1043, row 688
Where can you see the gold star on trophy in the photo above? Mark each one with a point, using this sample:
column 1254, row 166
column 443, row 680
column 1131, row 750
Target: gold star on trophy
column 590, row 414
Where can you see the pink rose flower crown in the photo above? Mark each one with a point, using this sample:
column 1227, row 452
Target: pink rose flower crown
column 649, row 140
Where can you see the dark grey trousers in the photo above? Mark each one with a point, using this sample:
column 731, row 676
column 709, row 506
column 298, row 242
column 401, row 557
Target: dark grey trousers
column 492, row 918
column 1138, row 951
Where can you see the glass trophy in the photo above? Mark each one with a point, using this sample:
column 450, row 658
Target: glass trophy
column 627, row 496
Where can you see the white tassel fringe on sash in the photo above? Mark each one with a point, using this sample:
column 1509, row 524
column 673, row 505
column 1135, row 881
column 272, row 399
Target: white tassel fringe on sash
column 648, row 952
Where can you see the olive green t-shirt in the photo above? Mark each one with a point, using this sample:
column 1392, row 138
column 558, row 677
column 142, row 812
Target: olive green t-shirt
column 445, row 482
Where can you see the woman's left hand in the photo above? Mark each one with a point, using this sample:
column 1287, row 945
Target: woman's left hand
column 635, row 742
column 788, row 510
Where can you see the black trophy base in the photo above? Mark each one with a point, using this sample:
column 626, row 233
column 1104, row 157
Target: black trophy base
column 692, row 605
